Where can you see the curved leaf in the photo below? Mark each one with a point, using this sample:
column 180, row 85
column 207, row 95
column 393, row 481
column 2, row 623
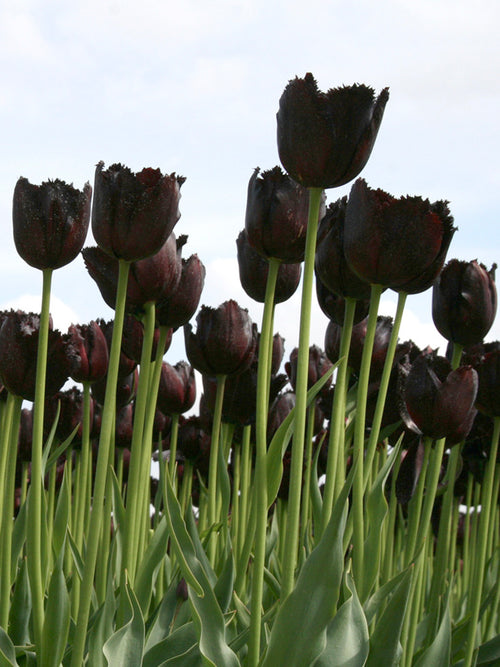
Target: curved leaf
column 298, row 635
column 126, row 645
column 347, row 636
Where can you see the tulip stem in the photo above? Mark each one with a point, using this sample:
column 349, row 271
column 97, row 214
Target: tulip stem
column 34, row 519
column 263, row 375
column 485, row 527
column 104, row 450
column 212, row 467
column 8, row 453
column 335, row 467
column 137, row 447
column 292, row 526
column 384, row 385
column 359, row 440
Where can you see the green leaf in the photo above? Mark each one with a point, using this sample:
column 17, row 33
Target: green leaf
column 160, row 626
column 126, row 645
column 376, row 511
column 439, row 652
column 7, row 650
column 20, row 608
column 298, row 635
column 281, row 439
column 57, row 618
column 488, row 654
column 385, row 647
column 379, row 599
column 151, row 561
column 175, row 645
column 102, row 628
column 207, row 614
column 61, row 516
column 347, row 636
column 18, row 537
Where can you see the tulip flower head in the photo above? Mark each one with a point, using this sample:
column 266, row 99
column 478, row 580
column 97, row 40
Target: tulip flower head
column 397, row 243
column 224, row 342
column 464, row 301
column 50, row 222
column 325, row 139
column 134, row 214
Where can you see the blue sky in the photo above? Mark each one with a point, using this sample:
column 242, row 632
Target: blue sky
column 193, row 87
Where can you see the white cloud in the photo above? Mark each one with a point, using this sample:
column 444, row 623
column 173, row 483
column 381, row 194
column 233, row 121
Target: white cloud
column 62, row 314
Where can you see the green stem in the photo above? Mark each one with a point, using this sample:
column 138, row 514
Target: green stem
column 212, row 466
column 295, row 489
column 174, row 430
column 13, row 417
column 138, row 444
column 384, row 383
column 107, row 426
column 476, row 591
column 260, row 480
column 306, row 495
column 359, row 438
column 415, row 505
column 34, row 518
column 335, row 467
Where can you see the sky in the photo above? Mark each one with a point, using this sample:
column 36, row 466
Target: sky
column 193, row 87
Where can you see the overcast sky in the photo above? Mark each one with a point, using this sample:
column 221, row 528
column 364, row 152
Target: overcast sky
column 193, row 87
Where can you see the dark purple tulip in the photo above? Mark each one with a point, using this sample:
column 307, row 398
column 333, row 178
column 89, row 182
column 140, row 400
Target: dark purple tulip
column 88, row 352
column 133, row 338
column 192, row 440
column 276, row 216
column 125, row 390
column 224, row 342
column 278, row 412
column 124, row 426
column 397, row 243
column 464, row 301
column 25, row 435
column 319, row 364
column 488, row 370
column 134, row 214
column 179, row 306
column 333, row 305
column 150, row 279
column 71, row 414
column 437, row 401
column 50, row 222
column 409, row 471
column 127, row 364
column 325, row 139
column 177, row 389
column 240, row 395
column 380, row 344
column 330, row 264
column 254, row 269
column 18, row 354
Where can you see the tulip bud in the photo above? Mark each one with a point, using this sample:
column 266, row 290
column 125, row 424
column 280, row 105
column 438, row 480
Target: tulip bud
column 439, row 402
column 134, row 214
column 464, row 301
column 276, row 216
column 50, row 222
column 488, row 370
column 18, row 355
column 176, row 309
column 177, row 389
column 397, row 243
column 224, row 342
column 254, row 269
column 325, row 139
column 89, row 352
column 330, row 264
